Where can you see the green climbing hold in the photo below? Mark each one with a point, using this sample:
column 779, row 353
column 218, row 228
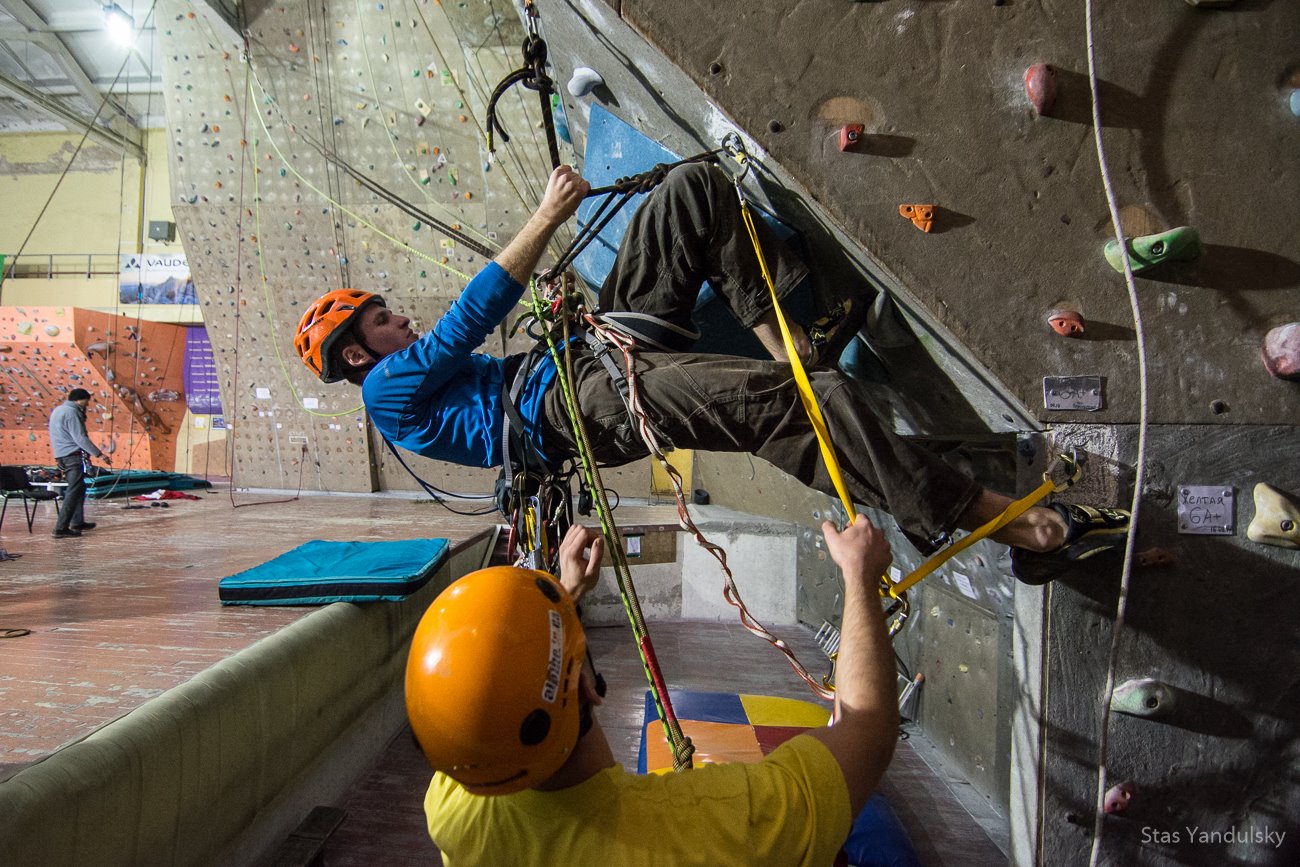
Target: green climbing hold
column 1148, row 251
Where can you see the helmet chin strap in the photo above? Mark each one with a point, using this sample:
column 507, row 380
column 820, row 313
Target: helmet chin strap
column 375, row 357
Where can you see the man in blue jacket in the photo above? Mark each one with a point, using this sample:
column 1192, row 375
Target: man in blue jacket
column 434, row 395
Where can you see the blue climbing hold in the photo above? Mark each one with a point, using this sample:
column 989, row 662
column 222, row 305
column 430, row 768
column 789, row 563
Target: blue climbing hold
column 1295, row 102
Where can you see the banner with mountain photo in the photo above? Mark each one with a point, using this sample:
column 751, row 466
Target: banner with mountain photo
column 156, row 279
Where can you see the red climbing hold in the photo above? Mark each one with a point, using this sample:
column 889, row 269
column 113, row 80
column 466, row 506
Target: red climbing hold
column 1281, row 352
column 1040, row 86
column 850, row 136
column 1153, row 557
column 1066, row 322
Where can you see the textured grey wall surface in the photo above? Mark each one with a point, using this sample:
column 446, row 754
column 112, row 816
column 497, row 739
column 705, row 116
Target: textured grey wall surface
column 1198, row 133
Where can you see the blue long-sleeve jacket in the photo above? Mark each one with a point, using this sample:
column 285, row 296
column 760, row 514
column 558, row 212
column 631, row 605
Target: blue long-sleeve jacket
column 439, row 398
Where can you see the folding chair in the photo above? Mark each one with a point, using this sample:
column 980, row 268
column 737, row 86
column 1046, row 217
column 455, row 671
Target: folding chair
column 14, row 484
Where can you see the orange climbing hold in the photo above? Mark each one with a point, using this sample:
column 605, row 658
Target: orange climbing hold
column 922, row 216
column 1066, row 322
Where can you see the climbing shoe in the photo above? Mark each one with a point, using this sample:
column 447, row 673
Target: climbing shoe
column 1089, row 530
column 829, row 335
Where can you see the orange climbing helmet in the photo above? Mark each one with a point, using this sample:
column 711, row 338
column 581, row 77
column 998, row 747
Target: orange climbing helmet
column 326, row 320
column 492, row 680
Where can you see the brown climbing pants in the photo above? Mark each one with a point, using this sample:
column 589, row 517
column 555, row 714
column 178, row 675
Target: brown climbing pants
column 688, row 231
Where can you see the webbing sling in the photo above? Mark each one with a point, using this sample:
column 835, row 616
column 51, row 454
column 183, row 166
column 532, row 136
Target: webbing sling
column 809, row 399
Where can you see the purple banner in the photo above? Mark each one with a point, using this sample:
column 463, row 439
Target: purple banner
column 202, row 392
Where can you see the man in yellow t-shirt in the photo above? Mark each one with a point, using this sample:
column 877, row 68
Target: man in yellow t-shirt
column 501, row 702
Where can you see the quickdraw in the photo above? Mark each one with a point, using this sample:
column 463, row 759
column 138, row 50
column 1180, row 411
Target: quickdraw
column 531, row 75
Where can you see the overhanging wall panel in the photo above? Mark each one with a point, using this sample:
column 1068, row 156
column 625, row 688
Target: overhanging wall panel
column 1197, row 132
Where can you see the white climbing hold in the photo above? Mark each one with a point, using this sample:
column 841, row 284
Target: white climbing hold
column 584, row 81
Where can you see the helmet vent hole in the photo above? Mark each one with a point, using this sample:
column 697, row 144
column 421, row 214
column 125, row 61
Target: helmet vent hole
column 534, row 728
column 548, row 590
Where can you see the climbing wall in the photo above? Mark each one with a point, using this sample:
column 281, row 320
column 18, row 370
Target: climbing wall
column 133, row 369
column 916, row 147
column 397, row 91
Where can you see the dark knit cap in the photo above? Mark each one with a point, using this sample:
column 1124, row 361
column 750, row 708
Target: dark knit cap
column 78, row 394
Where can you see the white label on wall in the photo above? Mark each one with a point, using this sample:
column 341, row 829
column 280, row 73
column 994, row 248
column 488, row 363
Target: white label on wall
column 311, row 403
column 1068, row 393
column 1206, row 510
column 895, row 574
column 633, row 546
column 262, row 393
column 964, row 585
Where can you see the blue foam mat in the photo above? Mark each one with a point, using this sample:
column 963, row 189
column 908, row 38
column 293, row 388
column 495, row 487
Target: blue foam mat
column 320, row 572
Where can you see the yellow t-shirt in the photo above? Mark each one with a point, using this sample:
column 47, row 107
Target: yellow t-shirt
column 789, row 810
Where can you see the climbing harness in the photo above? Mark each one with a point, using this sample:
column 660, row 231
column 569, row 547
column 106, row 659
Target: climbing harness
column 531, row 75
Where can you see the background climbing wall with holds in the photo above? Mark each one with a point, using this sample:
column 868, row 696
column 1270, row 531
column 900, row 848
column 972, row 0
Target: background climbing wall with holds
column 924, row 151
column 133, row 369
column 397, row 91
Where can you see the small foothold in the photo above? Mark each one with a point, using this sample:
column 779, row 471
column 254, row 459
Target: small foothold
column 775, row 126
column 1040, row 86
column 1218, row 407
column 1277, row 518
column 850, row 136
column 1148, row 251
column 1281, row 351
column 1155, row 557
column 584, row 80
column 1211, row 3
column 922, row 216
column 1143, row 697
column 1118, row 797
column 1295, row 102
column 1066, row 322
column 715, row 68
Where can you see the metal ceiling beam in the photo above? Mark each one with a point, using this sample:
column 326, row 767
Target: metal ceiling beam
column 52, row 45
column 24, row 14
column 129, row 140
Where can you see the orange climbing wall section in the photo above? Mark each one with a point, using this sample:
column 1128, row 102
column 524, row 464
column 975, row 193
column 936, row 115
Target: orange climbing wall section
column 133, row 369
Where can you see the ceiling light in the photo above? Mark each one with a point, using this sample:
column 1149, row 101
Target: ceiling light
column 119, row 24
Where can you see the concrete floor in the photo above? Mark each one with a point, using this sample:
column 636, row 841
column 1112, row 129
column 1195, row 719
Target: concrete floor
column 107, row 621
